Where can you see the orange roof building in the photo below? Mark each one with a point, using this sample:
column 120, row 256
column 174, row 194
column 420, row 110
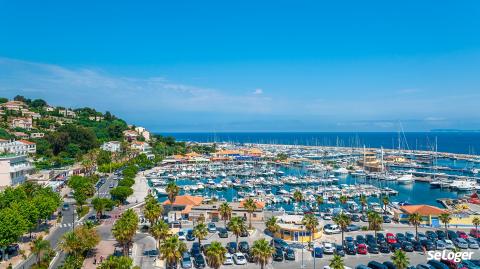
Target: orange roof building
column 260, row 205
column 185, row 200
column 428, row 213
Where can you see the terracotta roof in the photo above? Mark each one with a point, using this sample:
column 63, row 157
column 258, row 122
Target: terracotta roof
column 423, row 210
column 185, row 200
column 26, row 142
column 260, row 205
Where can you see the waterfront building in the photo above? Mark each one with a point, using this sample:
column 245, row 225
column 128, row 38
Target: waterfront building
column 111, row 146
column 291, row 229
column 370, row 162
column 211, row 213
column 429, row 214
column 14, row 169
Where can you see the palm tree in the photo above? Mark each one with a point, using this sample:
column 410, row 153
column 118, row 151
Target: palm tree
column 159, row 231
column 476, row 222
column 343, row 199
column 237, row 226
column 311, row 223
column 272, row 225
column 385, row 201
column 337, row 262
column 415, row 219
column 298, row 196
column 39, row 247
column 172, row 191
column 99, row 205
column 125, row 228
column 200, row 231
column 363, row 202
column 171, row 250
column 225, row 212
column 400, row 259
column 375, row 221
column 319, row 200
column 262, row 252
column 152, row 210
column 445, row 218
column 250, row 205
column 343, row 221
column 215, row 255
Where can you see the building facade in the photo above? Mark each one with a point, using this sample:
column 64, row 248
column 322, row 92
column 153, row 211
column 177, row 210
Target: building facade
column 14, row 169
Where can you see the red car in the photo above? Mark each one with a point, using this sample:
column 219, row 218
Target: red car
column 362, row 249
column 475, row 233
column 391, row 239
column 463, row 235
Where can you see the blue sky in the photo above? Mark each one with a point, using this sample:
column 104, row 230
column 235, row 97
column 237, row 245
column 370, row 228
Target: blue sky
column 250, row 65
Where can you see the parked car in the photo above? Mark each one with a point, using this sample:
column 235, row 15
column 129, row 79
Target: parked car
column 243, row 247
column 422, row 236
column 249, row 256
column 317, row 252
column 440, row 245
column 239, row 258
column 222, row 233
column 362, row 249
column 384, row 248
column 352, row 228
column 278, row 255
column 331, row 229
column 327, row 217
column 407, row 246
column 376, row 265
column 65, row 207
column 380, row 238
column 391, row 239
column 364, row 218
column 460, row 243
column 431, row 235
column 400, row 238
column 395, row 246
column 349, row 239
column 475, row 233
column 360, row 240
column 186, row 262
column 328, row 248
column 350, row 249
column 228, row 259
column 410, row 236
column 289, row 254
column 372, row 248
column 449, row 244
column 212, row 227
column 441, row 234
column 279, row 243
column 231, row 247
column 204, row 248
column 339, row 250
column 437, row 265
column 387, row 219
column 472, row 243
column 417, row 246
column 355, row 218
column 195, row 250
column 451, row 235
column 190, row 236
column 182, row 235
column 199, row 261
column 462, row 234
column 389, row 265
column 427, row 244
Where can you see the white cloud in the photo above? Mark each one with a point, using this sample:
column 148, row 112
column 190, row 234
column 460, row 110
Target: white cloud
column 258, row 91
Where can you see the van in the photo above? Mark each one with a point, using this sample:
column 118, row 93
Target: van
column 377, row 265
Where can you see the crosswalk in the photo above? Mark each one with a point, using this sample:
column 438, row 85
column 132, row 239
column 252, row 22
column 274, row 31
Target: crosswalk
column 67, row 225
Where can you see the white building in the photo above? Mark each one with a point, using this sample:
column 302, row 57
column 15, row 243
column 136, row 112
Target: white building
column 24, row 123
column 143, row 132
column 112, row 146
column 14, row 169
column 19, row 147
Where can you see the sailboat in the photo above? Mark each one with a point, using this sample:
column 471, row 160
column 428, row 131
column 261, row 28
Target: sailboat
column 405, row 179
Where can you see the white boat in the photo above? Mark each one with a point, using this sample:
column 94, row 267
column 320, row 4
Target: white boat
column 405, row 179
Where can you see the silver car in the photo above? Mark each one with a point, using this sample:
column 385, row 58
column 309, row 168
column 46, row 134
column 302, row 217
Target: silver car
column 460, row 243
column 472, row 243
column 449, row 244
column 440, row 245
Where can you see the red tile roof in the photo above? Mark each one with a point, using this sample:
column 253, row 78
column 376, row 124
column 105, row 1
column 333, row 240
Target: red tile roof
column 423, row 210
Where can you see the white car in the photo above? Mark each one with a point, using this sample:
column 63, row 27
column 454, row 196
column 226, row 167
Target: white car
column 228, row 259
column 328, row 248
column 182, row 235
column 328, row 267
column 239, row 258
column 331, row 229
column 449, row 244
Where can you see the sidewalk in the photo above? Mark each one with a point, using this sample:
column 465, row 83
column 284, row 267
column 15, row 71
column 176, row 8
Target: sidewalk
column 105, row 248
column 140, row 188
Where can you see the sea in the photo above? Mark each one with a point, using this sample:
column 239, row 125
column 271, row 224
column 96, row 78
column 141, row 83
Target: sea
column 416, row 193
column 454, row 142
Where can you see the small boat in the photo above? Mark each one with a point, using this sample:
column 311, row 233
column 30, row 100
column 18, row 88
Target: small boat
column 405, row 179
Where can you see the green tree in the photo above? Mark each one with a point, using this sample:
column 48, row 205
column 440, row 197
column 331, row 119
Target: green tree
column 79, row 241
column 152, row 210
column 172, row 191
column 375, row 221
column 171, row 250
column 159, row 230
column 250, row 205
column 272, row 225
column 298, row 196
column 215, row 255
column 342, row 220
column 476, row 222
column 400, row 259
column 415, row 219
column 343, row 199
column 200, row 231
column 363, row 202
column 100, row 205
column 262, row 252
column 125, row 228
column 445, row 218
column 225, row 211
column 39, row 248
column 385, row 201
column 12, row 226
column 337, row 262
column 114, row 262
column 311, row 223
column 121, row 193
column 237, row 226
column 319, row 200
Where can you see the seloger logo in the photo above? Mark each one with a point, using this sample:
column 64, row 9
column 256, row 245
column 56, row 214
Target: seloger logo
column 449, row 255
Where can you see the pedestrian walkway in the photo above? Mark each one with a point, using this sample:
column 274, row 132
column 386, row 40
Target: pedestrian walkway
column 104, row 249
column 140, row 188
